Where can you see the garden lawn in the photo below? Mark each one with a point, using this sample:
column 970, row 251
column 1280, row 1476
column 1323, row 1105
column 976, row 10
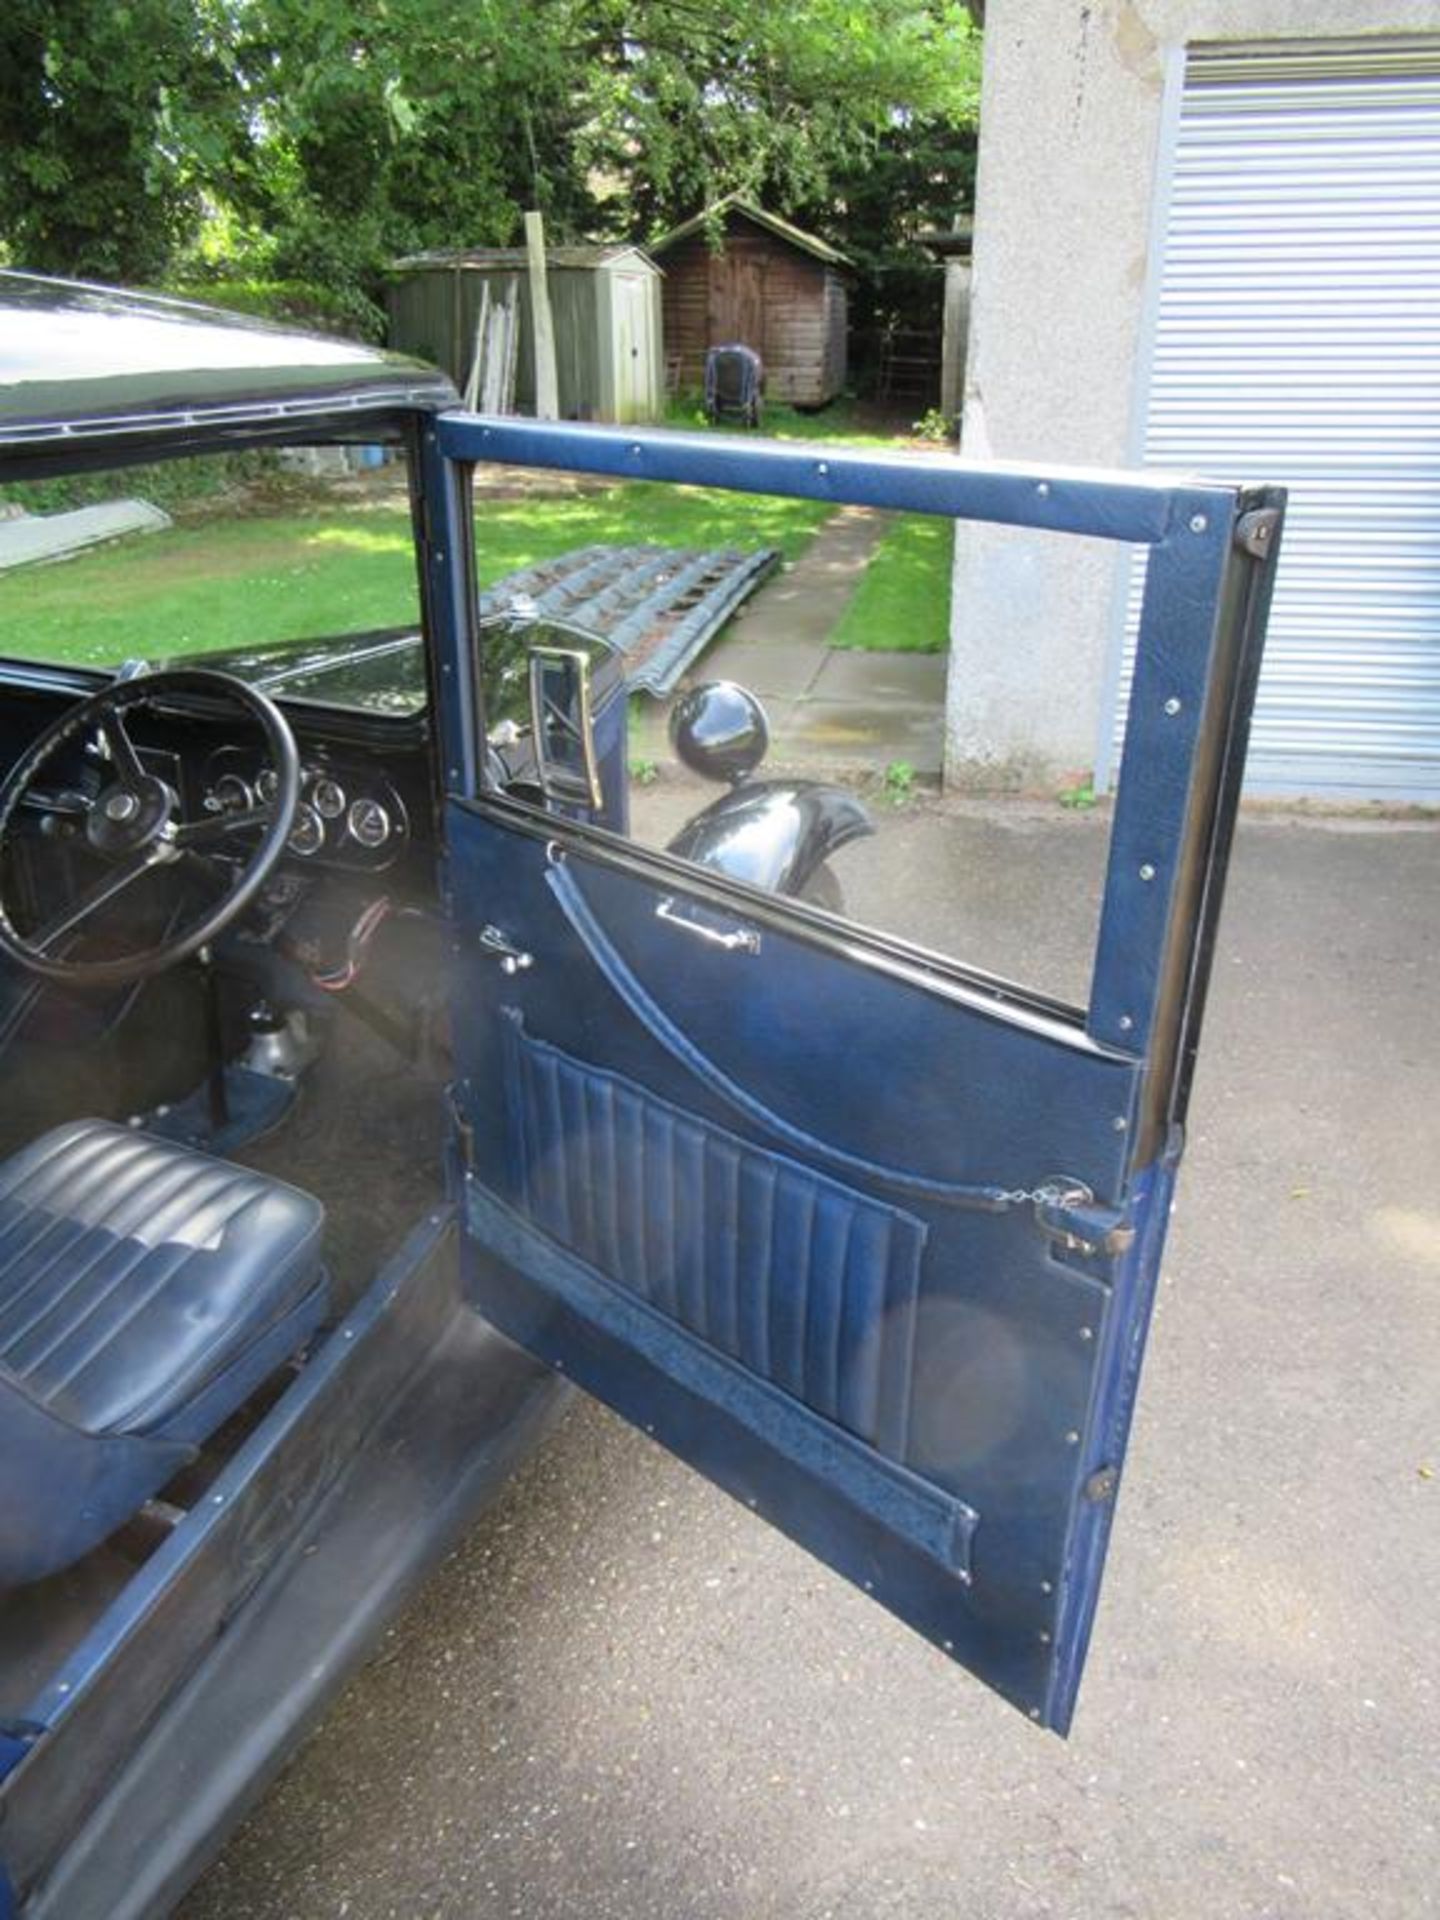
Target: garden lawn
column 246, row 581
column 902, row 603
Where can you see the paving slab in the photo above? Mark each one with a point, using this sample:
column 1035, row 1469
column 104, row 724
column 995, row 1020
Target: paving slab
column 881, row 678
column 53, row 536
column 842, row 737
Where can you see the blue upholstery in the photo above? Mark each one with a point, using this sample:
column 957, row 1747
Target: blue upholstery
column 146, row 1290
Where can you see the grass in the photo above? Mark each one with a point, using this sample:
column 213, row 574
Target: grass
column 293, row 574
column 841, row 421
column 902, row 604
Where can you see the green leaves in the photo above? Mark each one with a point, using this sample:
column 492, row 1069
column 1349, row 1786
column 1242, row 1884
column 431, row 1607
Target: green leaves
column 325, row 137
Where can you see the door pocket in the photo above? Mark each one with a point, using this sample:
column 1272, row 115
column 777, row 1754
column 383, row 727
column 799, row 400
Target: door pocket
column 807, row 1283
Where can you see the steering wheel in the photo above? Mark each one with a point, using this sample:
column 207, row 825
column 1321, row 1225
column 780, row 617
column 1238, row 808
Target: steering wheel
column 136, row 823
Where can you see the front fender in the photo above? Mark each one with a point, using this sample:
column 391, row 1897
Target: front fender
column 773, row 833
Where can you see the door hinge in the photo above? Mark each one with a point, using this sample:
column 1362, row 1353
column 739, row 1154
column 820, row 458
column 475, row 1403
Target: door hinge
column 1255, row 531
column 1067, row 1212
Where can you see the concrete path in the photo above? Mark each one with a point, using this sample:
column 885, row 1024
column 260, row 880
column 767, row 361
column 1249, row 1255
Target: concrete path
column 844, row 712
column 627, row 1699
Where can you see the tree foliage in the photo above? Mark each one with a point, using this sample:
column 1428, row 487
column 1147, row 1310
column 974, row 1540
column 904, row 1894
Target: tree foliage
column 317, row 139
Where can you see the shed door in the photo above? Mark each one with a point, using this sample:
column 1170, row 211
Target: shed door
column 636, row 358
column 1298, row 336
column 737, row 299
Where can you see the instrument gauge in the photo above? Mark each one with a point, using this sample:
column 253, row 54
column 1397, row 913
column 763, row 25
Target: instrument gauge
column 307, row 836
column 369, row 824
column 267, row 786
column 327, row 797
column 231, row 794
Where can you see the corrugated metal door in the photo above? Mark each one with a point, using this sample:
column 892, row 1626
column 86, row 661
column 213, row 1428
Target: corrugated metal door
column 1297, row 339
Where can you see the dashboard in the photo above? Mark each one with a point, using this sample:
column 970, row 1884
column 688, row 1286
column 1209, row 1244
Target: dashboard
column 350, row 813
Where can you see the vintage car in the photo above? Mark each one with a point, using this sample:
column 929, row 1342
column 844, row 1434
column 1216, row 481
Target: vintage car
column 366, row 1082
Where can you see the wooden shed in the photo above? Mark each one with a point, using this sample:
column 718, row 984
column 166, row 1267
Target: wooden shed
column 766, row 285
column 606, row 307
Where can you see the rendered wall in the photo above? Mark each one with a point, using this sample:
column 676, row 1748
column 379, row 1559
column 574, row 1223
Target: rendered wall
column 1073, row 104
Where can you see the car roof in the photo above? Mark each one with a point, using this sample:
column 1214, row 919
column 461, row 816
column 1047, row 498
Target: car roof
column 90, row 362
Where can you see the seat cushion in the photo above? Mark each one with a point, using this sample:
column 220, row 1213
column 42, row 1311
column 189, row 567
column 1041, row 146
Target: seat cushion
column 134, row 1271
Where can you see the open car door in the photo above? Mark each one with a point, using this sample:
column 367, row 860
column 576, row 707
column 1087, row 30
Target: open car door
column 867, row 1236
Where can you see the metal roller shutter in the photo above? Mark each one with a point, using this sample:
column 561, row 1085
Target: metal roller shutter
column 1297, row 338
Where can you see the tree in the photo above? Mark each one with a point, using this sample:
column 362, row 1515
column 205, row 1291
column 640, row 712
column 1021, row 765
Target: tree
column 687, row 102
column 107, row 111
column 320, row 138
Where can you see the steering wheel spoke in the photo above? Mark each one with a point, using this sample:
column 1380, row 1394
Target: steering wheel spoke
column 216, row 827
column 93, row 900
column 126, row 761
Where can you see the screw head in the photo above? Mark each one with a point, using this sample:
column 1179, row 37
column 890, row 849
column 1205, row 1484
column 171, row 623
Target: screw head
column 1198, row 523
column 1172, row 706
column 1147, row 872
column 1125, row 1023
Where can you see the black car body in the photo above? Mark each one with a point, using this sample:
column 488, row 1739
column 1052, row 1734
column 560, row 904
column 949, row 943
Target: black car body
column 866, row 1234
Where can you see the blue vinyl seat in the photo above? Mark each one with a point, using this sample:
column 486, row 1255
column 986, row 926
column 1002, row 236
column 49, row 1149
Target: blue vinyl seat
column 146, row 1291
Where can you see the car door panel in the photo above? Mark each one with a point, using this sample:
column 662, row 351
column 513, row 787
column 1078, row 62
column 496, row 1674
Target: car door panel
column 836, row 1236
column 869, row 1237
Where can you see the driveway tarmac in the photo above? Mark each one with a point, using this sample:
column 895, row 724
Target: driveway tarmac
column 626, row 1697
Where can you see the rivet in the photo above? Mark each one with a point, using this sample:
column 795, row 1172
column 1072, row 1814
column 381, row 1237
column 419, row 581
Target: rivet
column 1044, row 1636
column 217, row 1499
column 751, row 1502
column 650, row 1426
column 1147, row 872
column 1120, row 1123
column 635, row 451
column 1072, row 1438
column 1198, row 523
column 822, row 467
column 1125, row 1023
column 1172, row 706
column 64, row 1687
column 948, row 1645
column 869, row 1586
column 1087, row 1333
column 1047, row 1586
column 1034, row 1713
column 446, row 669
column 440, row 556
column 1043, row 489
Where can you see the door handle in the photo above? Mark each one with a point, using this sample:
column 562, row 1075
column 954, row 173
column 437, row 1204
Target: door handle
column 733, row 940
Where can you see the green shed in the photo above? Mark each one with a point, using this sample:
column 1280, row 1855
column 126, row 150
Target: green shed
column 606, row 307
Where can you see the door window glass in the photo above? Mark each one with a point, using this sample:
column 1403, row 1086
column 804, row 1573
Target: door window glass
column 770, row 698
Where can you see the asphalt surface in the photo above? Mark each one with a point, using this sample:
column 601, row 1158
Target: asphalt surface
column 627, row 1697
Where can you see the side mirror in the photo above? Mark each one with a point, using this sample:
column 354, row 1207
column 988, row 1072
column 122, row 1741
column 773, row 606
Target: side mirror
column 562, row 727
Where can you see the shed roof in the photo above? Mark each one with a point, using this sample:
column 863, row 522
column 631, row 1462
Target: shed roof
column 516, row 259
column 736, row 203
